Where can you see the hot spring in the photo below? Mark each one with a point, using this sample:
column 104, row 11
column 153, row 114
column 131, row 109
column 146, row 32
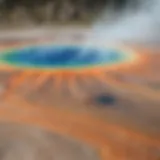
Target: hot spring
column 63, row 56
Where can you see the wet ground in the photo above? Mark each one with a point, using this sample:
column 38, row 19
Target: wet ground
column 25, row 142
column 114, row 111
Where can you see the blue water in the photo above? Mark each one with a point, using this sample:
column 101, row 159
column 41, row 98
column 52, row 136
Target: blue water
column 62, row 56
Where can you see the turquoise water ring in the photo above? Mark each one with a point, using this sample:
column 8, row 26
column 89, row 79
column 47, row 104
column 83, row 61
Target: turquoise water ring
column 63, row 57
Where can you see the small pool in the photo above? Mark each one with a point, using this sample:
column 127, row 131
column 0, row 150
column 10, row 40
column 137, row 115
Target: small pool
column 62, row 57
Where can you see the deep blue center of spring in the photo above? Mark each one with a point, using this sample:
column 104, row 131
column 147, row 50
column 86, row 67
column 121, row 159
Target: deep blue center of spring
column 62, row 56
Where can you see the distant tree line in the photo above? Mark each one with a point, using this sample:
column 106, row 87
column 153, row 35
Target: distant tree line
column 46, row 11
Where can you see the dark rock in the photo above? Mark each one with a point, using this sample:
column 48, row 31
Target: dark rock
column 103, row 100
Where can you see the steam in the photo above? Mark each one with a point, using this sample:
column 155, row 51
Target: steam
column 138, row 23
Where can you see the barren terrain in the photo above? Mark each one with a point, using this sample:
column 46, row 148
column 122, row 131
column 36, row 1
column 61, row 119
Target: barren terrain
column 65, row 103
